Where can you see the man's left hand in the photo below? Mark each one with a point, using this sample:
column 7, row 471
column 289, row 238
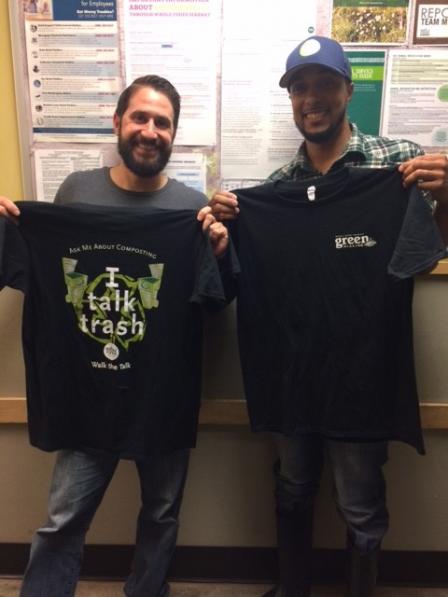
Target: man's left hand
column 430, row 173
column 218, row 233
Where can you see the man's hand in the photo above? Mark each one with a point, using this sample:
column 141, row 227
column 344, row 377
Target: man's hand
column 224, row 205
column 9, row 209
column 430, row 172
column 218, row 233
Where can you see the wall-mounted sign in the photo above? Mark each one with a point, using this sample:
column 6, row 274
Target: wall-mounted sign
column 431, row 22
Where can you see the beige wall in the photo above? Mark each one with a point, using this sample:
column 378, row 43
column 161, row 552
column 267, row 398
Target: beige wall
column 9, row 146
column 228, row 499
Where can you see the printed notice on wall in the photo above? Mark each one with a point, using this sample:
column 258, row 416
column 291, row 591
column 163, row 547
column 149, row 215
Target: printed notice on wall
column 230, row 184
column 370, row 21
column 431, row 22
column 179, row 41
column 52, row 166
column 257, row 128
column 73, row 68
column 189, row 168
column 416, row 98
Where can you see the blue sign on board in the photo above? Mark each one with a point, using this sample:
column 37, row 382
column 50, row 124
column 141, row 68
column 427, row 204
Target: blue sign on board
column 85, row 10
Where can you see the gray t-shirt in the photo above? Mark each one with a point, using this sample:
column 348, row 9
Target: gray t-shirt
column 97, row 187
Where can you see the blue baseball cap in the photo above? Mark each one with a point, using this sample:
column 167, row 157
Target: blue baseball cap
column 317, row 50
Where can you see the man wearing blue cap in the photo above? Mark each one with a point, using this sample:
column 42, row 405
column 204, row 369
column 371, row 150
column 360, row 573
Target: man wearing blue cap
column 318, row 79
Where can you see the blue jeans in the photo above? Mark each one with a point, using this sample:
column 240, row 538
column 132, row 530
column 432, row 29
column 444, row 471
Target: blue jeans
column 79, row 483
column 359, row 486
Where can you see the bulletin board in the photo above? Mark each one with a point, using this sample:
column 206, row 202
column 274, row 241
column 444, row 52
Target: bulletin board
column 72, row 58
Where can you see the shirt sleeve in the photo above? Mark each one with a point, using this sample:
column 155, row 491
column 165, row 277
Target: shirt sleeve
column 419, row 244
column 214, row 286
column 13, row 256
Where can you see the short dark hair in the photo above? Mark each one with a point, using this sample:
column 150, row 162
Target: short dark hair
column 159, row 84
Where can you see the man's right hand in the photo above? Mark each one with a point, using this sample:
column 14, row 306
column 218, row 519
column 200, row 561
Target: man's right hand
column 224, row 205
column 9, row 209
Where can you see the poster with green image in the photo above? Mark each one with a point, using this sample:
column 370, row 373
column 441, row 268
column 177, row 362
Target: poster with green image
column 370, row 21
column 368, row 78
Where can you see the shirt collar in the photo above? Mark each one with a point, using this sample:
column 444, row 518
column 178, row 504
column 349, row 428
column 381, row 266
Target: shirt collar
column 356, row 144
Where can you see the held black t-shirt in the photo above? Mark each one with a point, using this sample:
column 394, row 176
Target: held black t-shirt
column 325, row 331
column 112, row 323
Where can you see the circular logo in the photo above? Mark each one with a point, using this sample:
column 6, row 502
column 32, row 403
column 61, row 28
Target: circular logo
column 442, row 93
column 309, row 47
column 111, row 351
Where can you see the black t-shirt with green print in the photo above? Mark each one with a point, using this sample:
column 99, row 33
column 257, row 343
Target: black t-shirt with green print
column 112, row 323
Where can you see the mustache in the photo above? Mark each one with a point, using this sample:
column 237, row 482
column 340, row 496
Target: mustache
column 317, row 107
column 151, row 143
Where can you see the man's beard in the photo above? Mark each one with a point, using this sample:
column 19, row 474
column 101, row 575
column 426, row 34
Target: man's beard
column 324, row 136
column 141, row 167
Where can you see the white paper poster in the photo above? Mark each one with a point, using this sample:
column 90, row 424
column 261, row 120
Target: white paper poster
column 258, row 134
column 52, row 166
column 416, row 97
column 178, row 41
column 189, row 168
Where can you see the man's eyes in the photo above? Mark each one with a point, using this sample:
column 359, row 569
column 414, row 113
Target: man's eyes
column 297, row 89
column 160, row 123
column 324, row 84
column 329, row 83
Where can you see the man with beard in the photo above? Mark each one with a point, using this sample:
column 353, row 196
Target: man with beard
column 318, row 79
column 145, row 121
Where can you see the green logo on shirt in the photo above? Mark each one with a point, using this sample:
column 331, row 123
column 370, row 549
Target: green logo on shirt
column 111, row 308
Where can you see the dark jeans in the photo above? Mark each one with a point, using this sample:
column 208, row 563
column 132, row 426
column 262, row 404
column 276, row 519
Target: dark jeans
column 359, row 486
column 79, row 483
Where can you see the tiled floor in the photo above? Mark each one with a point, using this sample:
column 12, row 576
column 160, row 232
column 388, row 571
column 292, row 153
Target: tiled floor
column 10, row 588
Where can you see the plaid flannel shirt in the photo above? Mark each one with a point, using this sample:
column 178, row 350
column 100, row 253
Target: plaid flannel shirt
column 368, row 151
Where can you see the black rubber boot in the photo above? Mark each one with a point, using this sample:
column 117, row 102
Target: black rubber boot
column 294, row 535
column 362, row 572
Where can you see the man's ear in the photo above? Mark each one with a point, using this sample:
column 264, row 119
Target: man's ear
column 116, row 123
column 350, row 89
